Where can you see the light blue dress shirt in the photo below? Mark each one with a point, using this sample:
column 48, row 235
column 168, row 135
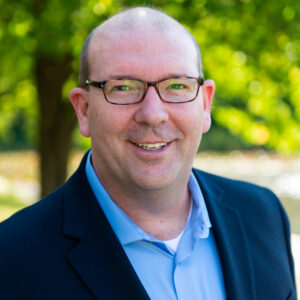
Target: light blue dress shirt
column 192, row 272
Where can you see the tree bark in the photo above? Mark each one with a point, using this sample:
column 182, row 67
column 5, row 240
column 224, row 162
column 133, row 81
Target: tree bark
column 56, row 123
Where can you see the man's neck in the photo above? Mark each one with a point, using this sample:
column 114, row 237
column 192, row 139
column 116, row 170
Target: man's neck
column 164, row 223
column 162, row 214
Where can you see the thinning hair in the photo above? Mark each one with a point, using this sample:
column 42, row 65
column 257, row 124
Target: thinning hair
column 130, row 19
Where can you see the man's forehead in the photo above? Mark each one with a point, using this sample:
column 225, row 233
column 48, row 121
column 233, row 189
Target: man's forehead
column 112, row 52
column 138, row 37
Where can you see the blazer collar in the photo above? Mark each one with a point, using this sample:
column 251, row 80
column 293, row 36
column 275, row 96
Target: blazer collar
column 98, row 258
column 230, row 239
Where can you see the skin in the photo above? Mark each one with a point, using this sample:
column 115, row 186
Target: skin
column 150, row 186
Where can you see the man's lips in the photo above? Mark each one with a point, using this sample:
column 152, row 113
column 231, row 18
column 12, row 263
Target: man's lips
column 151, row 146
column 148, row 138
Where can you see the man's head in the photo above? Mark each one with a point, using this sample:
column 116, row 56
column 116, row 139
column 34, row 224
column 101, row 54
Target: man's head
column 129, row 20
column 149, row 145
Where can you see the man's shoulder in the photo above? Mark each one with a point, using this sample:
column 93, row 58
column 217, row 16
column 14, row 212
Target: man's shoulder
column 229, row 183
column 34, row 220
column 249, row 202
column 239, row 194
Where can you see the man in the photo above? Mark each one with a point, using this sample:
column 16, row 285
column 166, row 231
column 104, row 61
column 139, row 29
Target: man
column 134, row 221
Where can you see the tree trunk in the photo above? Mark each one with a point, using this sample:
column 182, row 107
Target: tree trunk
column 56, row 122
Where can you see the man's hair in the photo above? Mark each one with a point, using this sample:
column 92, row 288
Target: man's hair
column 127, row 20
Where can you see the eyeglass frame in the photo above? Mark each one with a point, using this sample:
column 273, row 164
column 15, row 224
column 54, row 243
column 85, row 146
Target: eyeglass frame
column 147, row 84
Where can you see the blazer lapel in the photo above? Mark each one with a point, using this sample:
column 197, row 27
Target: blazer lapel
column 230, row 239
column 98, row 258
column 101, row 263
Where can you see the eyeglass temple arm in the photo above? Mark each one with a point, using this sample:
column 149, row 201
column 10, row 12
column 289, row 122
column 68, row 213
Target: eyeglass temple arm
column 98, row 84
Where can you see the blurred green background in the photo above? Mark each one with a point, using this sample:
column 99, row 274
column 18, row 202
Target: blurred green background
column 250, row 49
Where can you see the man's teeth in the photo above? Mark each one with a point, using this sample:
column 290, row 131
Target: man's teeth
column 155, row 146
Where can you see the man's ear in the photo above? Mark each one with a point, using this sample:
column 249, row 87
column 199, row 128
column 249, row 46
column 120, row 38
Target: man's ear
column 208, row 91
column 78, row 98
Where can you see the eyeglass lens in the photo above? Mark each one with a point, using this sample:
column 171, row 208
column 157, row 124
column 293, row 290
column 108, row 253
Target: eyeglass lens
column 128, row 91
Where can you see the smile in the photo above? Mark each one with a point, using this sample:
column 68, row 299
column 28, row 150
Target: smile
column 152, row 147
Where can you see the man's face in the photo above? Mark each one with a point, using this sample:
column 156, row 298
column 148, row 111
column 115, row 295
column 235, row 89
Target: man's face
column 122, row 136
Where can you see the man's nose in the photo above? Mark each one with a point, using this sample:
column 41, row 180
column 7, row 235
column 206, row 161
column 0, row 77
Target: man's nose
column 152, row 111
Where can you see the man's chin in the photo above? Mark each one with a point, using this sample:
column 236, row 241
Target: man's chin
column 154, row 181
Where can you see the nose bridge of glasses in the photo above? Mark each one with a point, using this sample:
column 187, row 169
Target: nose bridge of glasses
column 152, row 84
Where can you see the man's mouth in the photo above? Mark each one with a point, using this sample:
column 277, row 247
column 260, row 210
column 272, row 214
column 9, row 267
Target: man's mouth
column 152, row 147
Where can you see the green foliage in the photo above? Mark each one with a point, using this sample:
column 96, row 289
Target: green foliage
column 250, row 49
column 30, row 29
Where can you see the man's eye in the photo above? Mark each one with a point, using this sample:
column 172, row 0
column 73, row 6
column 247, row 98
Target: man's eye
column 176, row 86
column 121, row 88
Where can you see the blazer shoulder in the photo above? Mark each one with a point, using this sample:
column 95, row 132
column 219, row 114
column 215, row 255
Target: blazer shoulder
column 263, row 218
column 33, row 221
column 247, row 198
column 235, row 188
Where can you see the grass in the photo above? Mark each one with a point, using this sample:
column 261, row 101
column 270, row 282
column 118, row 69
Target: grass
column 9, row 205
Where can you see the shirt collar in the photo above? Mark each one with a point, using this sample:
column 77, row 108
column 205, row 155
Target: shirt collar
column 199, row 221
column 126, row 230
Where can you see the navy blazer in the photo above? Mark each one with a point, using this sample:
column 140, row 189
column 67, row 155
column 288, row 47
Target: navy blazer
column 64, row 248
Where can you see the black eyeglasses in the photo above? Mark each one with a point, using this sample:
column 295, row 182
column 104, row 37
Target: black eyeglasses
column 125, row 91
